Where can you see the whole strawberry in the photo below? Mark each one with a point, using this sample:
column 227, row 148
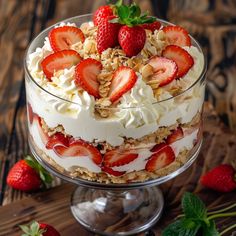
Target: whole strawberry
column 221, row 178
column 27, row 175
column 132, row 39
column 39, row 229
column 102, row 13
column 107, row 36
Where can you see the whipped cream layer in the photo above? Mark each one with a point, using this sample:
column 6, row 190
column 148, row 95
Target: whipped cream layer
column 138, row 114
column 71, row 163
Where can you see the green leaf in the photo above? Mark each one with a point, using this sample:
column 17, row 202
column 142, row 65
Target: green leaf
column 119, row 3
column 123, row 12
column 193, row 207
column 25, row 229
column 182, row 227
column 210, row 229
column 34, row 227
column 135, row 11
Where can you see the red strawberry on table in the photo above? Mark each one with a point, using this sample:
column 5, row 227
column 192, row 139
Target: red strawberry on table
column 165, row 70
column 107, row 35
column 177, row 35
column 39, row 229
column 102, row 13
column 110, row 171
column 62, row 38
column 27, row 175
column 163, row 156
column 221, row 178
column 181, row 57
column 132, row 39
column 152, row 26
column 86, row 73
column 57, row 139
column 175, row 135
column 79, row 148
column 59, row 61
column 118, row 158
column 123, row 80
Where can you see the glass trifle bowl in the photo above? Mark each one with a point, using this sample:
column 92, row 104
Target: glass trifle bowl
column 116, row 152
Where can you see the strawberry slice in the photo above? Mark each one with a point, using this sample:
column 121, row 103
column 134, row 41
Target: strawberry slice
column 79, row 148
column 158, row 147
column 62, row 38
column 156, row 25
column 110, row 171
column 57, row 139
column 123, row 80
column 175, row 135
column 160, row 159
column 59, row 61
column 118, row 158
column 177, row 35
column 30, row 113
column 165, row 70
column 86, row 73
column 181, row 57
column 44, row 136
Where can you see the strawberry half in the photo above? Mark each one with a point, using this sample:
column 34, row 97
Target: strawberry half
column 118, row 158
column 86, row 73
column 165, row 70
column 152, row 26
column 44, row 136
column 175, row 135
column 123, row 80
column 64, row 37
column 102, row 13
column 59, row 61
column 79, row 148
column 160, row 159
column 181, row 57
column 177, row 35
column 221, row 178
column 57, row 139
column 110, row 171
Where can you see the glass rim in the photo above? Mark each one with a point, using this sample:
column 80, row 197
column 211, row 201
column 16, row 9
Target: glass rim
column 27, row 72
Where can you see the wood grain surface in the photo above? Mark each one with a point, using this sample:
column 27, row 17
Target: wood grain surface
column 52, row 206
column 213, row 23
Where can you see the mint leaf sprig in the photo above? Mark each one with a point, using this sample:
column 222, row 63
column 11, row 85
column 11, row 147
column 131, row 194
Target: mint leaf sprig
column 197, row 220
column 130, row 15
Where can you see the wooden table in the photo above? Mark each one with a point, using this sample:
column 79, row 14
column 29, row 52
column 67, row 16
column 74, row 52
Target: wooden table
column 21, row 20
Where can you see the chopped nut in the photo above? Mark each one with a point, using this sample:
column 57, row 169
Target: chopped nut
column 147, row 71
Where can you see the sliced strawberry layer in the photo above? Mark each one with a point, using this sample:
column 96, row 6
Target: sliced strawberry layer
column 110, row 171
column 86, row 73
column 62, row 38
column 165, row 70
column 177, row 35
column 79, row 148
column 160, row 159
column 175, row 135
column 158, row 147
column 30, row 113
column 181, row 57
column 57, row 139
column 118, row 158
column 152, row 26
column 44, row 136
column 123, row 80
column 59, row 61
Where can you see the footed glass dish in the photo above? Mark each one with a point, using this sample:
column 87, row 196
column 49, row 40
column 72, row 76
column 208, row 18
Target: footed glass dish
column 117, row 165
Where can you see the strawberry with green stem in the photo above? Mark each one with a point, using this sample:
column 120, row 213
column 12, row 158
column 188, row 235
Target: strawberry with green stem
column 38, row 229
column 28, row 175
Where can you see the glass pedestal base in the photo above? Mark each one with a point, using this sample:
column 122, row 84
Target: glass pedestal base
column 117, row 212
